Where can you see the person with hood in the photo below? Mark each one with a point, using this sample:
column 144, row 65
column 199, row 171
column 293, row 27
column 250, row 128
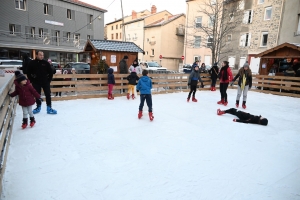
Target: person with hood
column 196, row 63
column 214, row 72
column 244, row 117
column 27, row 95
column 40, row 74
column 244, row 84
column 111, row 82
column 132, row 81
column 144, row 86
column 135, row 67
column 192, row 82
column 25, row 63
column 225, row 77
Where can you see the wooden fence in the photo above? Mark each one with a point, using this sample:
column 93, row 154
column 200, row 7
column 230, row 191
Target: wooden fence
column 95, row 85
column 7, row 115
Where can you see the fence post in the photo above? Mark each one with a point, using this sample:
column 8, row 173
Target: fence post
column 122, row 85
column 180, row 83
column 262, row 87
column 280, row 86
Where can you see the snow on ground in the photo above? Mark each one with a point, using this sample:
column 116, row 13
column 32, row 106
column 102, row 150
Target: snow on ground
column 98, row 149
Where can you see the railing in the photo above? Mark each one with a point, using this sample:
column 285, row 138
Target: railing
column 78, row 87
column 7, row 115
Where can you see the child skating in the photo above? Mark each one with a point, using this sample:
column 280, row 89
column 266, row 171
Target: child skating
column 132, row 81
column 192, row 82
column 244, row 84
column 144, row 86
column 110, row 82
column 27, row 95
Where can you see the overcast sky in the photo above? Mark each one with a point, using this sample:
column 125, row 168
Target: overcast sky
column 114, row 10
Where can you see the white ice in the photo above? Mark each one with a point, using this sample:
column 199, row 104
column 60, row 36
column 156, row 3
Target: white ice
column 97, row 149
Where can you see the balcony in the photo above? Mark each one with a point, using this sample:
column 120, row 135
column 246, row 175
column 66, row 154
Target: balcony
column 152, row 42
column 180, row 31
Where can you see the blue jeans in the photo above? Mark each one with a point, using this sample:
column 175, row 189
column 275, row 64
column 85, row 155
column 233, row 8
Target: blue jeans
column 148, row 98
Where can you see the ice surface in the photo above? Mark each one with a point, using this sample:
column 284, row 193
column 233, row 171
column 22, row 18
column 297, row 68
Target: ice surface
column 98, row 149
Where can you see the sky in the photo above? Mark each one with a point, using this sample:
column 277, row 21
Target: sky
column 114, row 10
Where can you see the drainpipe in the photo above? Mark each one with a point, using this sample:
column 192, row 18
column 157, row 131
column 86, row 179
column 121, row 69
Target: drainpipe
column 187, row 21
column 280, row 23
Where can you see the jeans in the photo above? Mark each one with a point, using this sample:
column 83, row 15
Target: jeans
column 27, row 111
column 148, row 98
column 223, row 89
column 46, row 88
column 239, row 93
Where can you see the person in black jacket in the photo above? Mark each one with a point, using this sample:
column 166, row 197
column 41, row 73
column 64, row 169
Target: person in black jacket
column 244, row 84
column 244, row 117
column 40, row 74
column 192, row 82
column 110, row 82
column 25, row 63
column 132, row 82
column 214, row 72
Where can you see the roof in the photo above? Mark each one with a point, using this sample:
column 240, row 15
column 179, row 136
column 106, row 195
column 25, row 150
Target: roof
column 142, row 18
column 117, row 20
column 110, row 45
column 295, row 46
column 80, row 3
column 162, row 21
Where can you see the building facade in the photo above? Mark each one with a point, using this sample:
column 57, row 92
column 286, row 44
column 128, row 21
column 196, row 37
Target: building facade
column 58, row 27
column 265, row 24
column 164, row 41
column 114, row 30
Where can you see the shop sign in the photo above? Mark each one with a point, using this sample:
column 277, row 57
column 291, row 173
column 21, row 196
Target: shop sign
column 54, row 23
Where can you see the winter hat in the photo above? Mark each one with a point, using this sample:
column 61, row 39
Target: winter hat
column 246, row 65
column 216, row 64
column 264, row 121
column 20, row 78
column 110, row 70
column 17, row 73
column 125, row 57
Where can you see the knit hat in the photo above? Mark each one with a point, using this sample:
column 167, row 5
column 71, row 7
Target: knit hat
column 264, row 121
column 216, row 64
column 246, row 65
column 125, row 57
column 20, row 78
column 17, row 73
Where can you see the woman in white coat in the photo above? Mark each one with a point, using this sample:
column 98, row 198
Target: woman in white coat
column 135, row 66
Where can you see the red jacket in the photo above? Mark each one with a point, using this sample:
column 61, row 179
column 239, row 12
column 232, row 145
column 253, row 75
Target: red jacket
column 229, row 76
column 26, row 94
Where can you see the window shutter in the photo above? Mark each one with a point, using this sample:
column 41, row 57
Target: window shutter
column 249, row 39
column 53, row 36
column 73, row 15
column 50, row 9
column 27, row 31
column 242, row 40
column 246, row 17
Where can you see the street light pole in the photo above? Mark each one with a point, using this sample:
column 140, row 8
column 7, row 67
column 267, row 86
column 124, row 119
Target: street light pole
column 123, row 27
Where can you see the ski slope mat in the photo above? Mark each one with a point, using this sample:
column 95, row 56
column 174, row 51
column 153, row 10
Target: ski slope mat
column 97, row 149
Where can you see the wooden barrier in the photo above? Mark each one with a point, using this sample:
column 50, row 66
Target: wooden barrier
column 7, row 115
column 95, row 85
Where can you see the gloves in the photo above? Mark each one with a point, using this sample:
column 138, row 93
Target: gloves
column 234, row 120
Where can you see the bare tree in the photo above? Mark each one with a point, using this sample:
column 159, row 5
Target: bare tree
column 224, row 16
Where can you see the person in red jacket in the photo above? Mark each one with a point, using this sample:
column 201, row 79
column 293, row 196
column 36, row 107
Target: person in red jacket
column 225, row 77
column 27, row 95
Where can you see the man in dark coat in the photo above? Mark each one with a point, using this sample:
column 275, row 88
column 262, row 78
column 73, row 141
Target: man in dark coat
column 25, row 63
column 40, row 74
column 123, row 65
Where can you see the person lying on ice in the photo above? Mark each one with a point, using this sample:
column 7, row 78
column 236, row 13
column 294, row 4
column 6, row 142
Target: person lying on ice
column 244, row 117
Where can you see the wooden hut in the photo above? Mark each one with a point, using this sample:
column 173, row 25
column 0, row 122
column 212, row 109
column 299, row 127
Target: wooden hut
column 280, row 57
column 112, row 52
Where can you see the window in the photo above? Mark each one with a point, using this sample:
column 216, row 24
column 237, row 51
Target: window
column 211, row 20
column 70, row 14
column 41, row 33
column 12, row 29
column 213, row 2
column 90, row 22
column 248, row 15
column 245, row 40
column 20, row 4
column 32, row 32
column 268, row 13
column 229, row 38
column 197, row 58
column 68, row 36
column 261, row 1
column 112, row 36
column 57, row 36
column 198, row 22
column 152, row 50
column 298, row 30
column 117, row 36
column 197, row 41
column 120, row 35
column 209, row 41
column 117, row 26
column 76, row 37
column 46, row 9
column 88, row 37
column 264, row 39
column 112, row 27
column 242, row 5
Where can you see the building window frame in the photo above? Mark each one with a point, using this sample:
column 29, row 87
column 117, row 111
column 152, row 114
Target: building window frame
column 197, row 42
column 20, row 4
column 152, row 52
column 265, row 14
column 112, row 36
column 117, row 36
column 12, row 29
column 46, row 9
column 41, row 32
column 260, row 1
column 116, row 26
column 248, row 16
column 68, row 36
column 69, row 14
column 112, row 27
column 211, row 20
column 298, row 28
column 198, row 22
column 210, row 41
column 229, row 38
column 245, row 40
column 262, row 42
column 32, row 32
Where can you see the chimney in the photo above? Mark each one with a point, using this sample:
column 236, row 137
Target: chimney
column 134, row 15
column 153, row 9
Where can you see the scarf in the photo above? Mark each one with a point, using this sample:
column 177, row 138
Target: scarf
column 243, row 82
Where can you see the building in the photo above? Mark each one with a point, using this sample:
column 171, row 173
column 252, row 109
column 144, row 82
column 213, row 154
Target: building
column 58, row 27
column 265, row 24
column 164, row 41
column 196, row 41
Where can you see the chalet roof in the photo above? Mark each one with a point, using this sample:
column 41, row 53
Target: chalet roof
column 80, row 3
column 110, row 45
column 162, row 21
column 295, row 46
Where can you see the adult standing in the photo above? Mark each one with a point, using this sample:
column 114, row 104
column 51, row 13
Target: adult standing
column 244, row 84
column 123, row 67
column 40, row 74
column 225, row 76
column 214, row 72
column 25, row 63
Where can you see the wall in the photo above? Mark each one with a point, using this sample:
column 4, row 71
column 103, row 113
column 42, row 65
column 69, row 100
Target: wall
column 154, row 36
column 116, row 29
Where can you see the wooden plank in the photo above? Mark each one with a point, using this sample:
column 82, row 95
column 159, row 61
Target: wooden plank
column 5, row 90
column 278, row 93
column 4, row 110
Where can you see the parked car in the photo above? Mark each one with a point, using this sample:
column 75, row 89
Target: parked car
column 187, row 68
column 152, row 66
column 80, row 67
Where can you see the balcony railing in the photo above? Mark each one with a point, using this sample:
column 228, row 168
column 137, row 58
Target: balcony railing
column 42, row 40
column 180, row 31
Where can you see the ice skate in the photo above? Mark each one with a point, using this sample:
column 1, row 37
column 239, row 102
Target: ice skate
column 132, row 96
column 151, row 117
column 140, row 114
column 194, row 99
column 32, row 121
column 221, row 101
column 128, row 96
column 25, row 123
column 220, row 112
column 244, row 105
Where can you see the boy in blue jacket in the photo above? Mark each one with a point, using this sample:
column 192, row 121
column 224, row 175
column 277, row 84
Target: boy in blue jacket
column 144, row 86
